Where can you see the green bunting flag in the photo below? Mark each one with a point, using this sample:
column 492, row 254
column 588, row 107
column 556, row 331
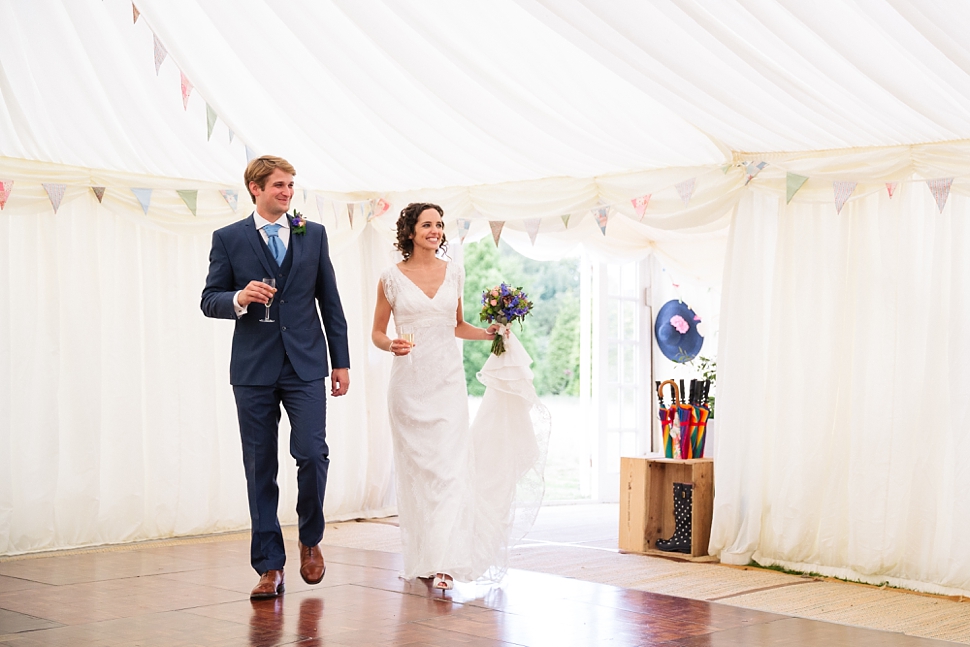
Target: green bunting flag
column 190, row 198
column 793, row 183
column 210, row 121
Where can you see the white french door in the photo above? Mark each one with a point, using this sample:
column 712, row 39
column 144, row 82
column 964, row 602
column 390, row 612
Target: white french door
column 620, row 384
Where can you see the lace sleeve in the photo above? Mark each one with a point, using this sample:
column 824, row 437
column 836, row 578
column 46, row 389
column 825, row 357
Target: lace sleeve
column 390, row 285
column 460, row 277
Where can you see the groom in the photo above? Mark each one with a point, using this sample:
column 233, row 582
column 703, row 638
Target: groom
column 282, row 361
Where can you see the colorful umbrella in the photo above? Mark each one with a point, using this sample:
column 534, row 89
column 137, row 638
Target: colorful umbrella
column 675, row 422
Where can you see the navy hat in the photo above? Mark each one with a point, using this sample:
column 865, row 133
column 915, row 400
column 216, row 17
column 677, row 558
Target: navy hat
column 676, row 332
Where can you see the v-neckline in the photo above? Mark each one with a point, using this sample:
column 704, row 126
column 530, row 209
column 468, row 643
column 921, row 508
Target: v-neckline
column 418, row 288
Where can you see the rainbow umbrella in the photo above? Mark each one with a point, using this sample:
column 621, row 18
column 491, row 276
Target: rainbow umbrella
column 675, row 422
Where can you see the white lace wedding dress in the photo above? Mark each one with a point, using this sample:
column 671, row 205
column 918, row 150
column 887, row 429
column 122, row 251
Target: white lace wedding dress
column 465, row 492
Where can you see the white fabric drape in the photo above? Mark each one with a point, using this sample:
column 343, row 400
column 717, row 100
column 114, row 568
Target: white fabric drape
column 842, row 408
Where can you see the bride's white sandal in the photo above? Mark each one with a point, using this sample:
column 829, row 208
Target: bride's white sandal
column 443, row 581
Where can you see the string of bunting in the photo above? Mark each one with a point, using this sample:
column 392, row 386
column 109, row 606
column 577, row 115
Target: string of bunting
column 842, row 190
column 160, row 56
column 190, row 197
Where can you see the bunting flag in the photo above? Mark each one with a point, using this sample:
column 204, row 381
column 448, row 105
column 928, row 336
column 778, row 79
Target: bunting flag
column 793, row 182
column 602, row 217
column 333, row 210
column 381, row 206
column 842, row 192
column 304, row 196
column 463, row 227
column 725, row 168
column 56, row 193
column 941, row 190
column 532, row 227
column 190, row 198
column 230, row 135
column 6, row 186
column 210, row 121
column 686, row 190
column 144, row 198
column 98, row 193
column 565, row 220
column 640, row 205
column 186, row 91
column 160, row 54
column 369, row 209
column 891, row 188
column 231, row 196
column 496, row 227
column 320, row 204
column 372, row 208
column 350, row 214
column 250, row 154
column 134, row 13
column 753, row 169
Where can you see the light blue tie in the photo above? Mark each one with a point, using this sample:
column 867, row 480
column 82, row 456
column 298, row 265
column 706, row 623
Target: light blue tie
column 274, row 243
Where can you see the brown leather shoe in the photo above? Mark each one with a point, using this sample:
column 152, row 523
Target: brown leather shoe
column 312, row 567
column 270, row 585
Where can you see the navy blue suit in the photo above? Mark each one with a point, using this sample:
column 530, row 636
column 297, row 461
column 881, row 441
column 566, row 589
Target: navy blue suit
column 281, row 362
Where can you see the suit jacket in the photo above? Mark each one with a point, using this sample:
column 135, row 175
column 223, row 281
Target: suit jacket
column 305, row 279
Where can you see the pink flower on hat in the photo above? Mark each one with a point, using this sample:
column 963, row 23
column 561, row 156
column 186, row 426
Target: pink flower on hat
column 680, row 324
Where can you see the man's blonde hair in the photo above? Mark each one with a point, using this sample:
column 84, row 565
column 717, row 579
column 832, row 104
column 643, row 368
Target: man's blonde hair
column 261, row 168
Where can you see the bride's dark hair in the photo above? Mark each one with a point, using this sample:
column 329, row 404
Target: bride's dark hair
column 406, row 223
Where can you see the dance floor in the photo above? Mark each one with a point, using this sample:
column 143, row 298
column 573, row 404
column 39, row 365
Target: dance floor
column 174, row 594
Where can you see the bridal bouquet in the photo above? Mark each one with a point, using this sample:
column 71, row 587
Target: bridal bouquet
column 504, row 304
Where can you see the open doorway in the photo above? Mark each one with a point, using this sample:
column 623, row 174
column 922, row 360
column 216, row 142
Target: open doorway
column 551, row 335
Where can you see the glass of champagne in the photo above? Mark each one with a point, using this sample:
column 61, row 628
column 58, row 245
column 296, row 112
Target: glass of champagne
column 407, row 334
column 271, row 283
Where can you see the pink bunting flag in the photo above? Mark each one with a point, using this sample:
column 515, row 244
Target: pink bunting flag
column 496, row 227
column 98, row 193
column 640, row 205
column 752, row 169
column 941, row 190
column 231, row 196
column 134, row 13
column 891, row 188
column 381, row 206
column 186, row 91
column 602, row 217
column 463, row 226
column 350, row 213
column 532, row 228
column 56, row 193
column 842, row 192
column 6, row 186
column 160, row 54
column 686, row 190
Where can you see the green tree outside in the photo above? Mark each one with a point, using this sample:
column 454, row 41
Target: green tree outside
column 552, row 286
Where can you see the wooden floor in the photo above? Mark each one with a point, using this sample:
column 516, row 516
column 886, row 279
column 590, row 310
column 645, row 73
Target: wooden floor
column 197, row 594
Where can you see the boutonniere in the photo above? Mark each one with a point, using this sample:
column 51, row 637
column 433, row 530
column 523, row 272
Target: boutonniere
column 298, row 223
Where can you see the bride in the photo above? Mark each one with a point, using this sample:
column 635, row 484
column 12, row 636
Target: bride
column 455, row 482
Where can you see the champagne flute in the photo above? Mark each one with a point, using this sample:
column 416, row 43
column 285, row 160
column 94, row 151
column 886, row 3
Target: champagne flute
column 407, row 334
column 271, row 283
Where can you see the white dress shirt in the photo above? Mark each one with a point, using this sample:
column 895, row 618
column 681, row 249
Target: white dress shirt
column 283, row 233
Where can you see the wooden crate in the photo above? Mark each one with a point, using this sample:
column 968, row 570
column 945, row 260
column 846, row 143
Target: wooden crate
column 647, row 502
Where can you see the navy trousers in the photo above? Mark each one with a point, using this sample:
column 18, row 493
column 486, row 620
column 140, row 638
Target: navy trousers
column 258, row 408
